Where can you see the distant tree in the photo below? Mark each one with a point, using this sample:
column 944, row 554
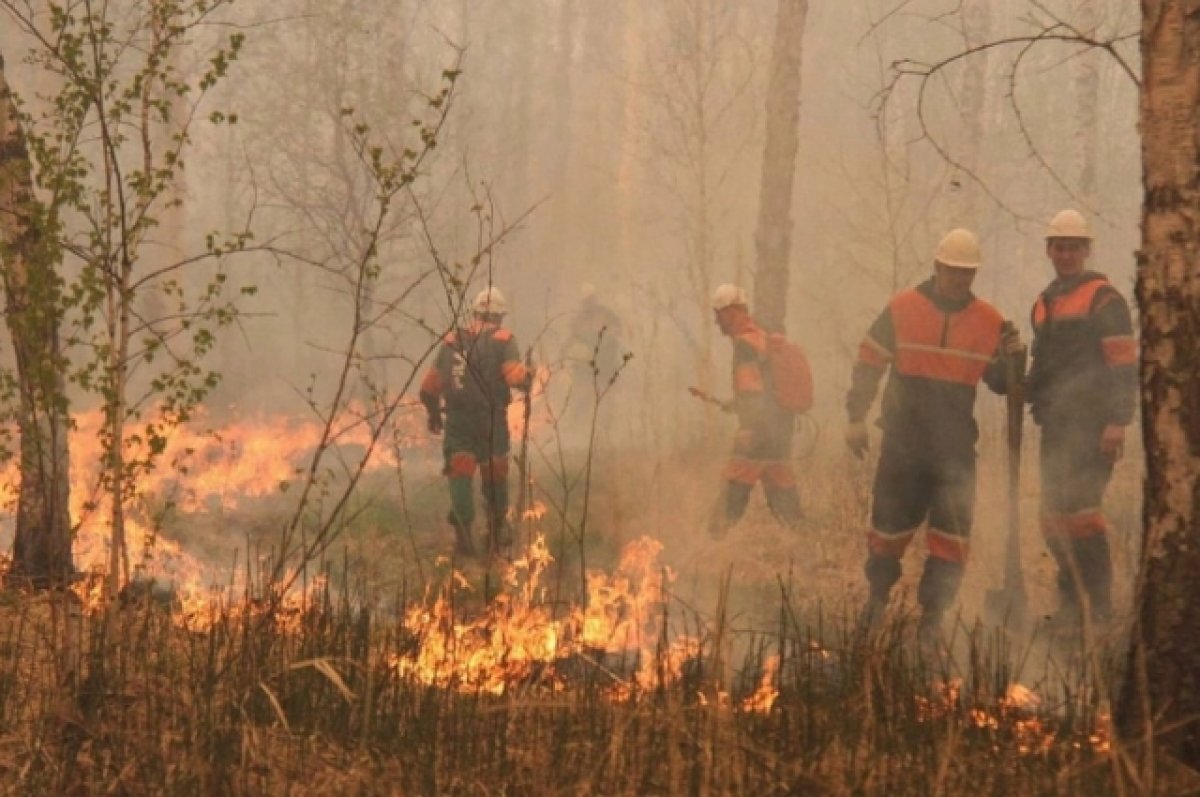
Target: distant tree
column 699, row 73
column 773, row 239
column 1160, row 703
column 29, row 260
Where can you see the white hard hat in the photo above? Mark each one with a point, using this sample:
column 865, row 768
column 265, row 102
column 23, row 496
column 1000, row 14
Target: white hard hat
column 959, row 248
column 491, row 301
column 727, row 295
column 1068, row 224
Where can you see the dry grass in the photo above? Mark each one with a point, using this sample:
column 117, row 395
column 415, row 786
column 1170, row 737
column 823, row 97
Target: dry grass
column 127, row 702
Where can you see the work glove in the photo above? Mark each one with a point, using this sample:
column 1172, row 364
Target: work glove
column 1010, row 340
column 1112, row 442
column 435, row 423
column 856, row 439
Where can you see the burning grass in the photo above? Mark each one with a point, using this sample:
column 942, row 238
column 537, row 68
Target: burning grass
column 497, row 680
column 628, row 694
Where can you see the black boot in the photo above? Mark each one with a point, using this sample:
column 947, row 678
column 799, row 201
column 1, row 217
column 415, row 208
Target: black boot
column 882, row 573
column 1095, row 571
column 785, row 505
column 737, row 497
column 464, row 543
column 1068, row 615
column 500, row 534
column 936, row 593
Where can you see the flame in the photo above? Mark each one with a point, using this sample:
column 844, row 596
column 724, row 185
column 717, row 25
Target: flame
column 516, row 640
column 765, row 696
column 203, row 467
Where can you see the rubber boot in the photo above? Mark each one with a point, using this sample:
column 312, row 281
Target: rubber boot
column 500, row 534
column 882, row 573
column 936, row 593
column 1095, row 570
column 464, row 543
column 462, row 503
column 737, row 498
column 1069, row 614
column 785, row 505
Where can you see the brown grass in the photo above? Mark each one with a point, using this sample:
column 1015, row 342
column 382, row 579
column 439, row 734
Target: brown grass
column 126, row 702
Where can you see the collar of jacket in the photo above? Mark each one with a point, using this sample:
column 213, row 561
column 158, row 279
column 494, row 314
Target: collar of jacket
column 1061, row 287
column 478, row 325
column 928, row 287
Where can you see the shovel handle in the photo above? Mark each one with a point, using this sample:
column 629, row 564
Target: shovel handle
column 1015, row 364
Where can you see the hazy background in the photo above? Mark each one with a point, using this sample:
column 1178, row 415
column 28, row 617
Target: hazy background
column 627, row 137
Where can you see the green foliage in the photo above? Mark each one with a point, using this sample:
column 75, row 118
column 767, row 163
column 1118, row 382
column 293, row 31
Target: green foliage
column 108, row 153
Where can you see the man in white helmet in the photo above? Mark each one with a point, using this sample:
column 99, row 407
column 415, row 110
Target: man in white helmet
column 1083, row 392
column 762, row 445
column 938, row 341
column 471, row 379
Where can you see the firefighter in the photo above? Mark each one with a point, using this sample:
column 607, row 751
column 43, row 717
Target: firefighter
column 592, row 356
column 762, row 445
column 471, row 380
column 594, row 334
column 1082, row 388
column 939, row 341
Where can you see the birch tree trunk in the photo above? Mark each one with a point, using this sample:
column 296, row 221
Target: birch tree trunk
column 28, row 254
column 773, row 238
column 977, row 26
column 1087, row 90
column 1160, row 703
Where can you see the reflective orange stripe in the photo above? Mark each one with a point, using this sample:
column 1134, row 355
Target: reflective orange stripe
column 496, row 470
column 1119, row 350
column 742, row 470
column 1077, row 525
column 461, row 464
column 779, row 474
column 949, row 547
column 1076, row 304
column 882, row 543
column 950, row 348
column 871, row 352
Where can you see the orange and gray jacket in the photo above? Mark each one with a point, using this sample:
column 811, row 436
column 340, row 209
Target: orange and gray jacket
column 753, row 395
column 938, row 351
column 1084, row 354
column 474, row 371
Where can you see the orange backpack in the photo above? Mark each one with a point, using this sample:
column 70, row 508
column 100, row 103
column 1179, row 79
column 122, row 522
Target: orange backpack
column 790, row 374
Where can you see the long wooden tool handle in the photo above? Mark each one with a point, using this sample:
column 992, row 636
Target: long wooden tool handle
column 1014, row 580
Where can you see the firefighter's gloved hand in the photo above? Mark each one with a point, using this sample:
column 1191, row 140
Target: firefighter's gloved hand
column 1010, row 340
column 435, row 423
column 1112, row 442
column 857, row 440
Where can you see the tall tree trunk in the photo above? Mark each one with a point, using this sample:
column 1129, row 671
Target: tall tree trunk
column 1163, row 685
column 28, row 254
column 973, row 99
column 1087, row 121
column 773, row 238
